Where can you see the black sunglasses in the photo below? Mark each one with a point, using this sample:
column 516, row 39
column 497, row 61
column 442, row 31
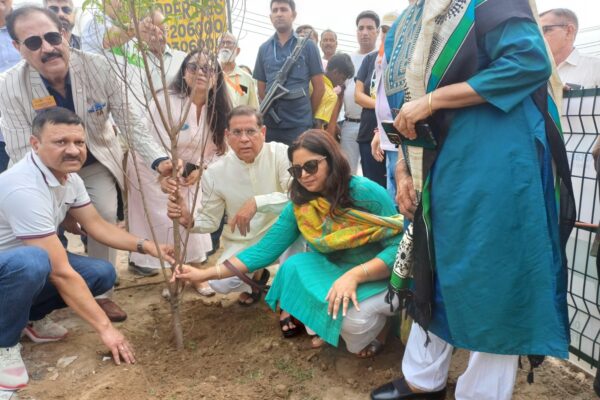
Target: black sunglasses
column 548, row 28
column 205, row 69
column 311, row 167
column 34, row 43
column 65, row 9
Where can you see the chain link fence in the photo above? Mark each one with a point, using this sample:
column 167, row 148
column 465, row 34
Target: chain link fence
column 580, row 121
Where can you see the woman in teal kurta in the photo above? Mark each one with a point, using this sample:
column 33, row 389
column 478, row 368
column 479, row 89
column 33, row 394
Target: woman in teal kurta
column 340, row 270
column 492, row 280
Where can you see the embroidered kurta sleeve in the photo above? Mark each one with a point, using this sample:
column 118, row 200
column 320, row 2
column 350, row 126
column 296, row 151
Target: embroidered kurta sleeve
column 518, row 64
column 277, row 239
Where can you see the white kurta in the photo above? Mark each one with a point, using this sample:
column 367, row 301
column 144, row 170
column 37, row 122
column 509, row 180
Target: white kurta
column 230, row 182
column 194, row 137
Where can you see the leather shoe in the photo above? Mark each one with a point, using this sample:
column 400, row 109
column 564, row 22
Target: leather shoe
column 112, row 310
column 399, row 390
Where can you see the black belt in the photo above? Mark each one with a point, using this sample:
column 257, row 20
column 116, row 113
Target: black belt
column 352, row 120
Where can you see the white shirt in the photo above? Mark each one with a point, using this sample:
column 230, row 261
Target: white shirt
column 33, row 203
column 580, row 69
column 229, row 182
column 353, row 110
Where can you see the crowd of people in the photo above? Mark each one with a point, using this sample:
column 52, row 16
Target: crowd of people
column 452, row 121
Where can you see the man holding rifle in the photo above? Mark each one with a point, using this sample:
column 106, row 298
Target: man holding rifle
column 284, row 67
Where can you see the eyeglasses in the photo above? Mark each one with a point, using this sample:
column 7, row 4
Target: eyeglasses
column 205, row 69
column 238, row 133
column 34, row 43
column 65, row 9
column 311, row 167
column 228, row 43
column 549, row 28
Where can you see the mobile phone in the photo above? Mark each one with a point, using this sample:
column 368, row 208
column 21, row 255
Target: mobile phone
column 188, row 169
column 424, row 139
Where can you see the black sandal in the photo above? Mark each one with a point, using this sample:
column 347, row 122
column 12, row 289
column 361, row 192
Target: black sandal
column 256, row 294
column 291, row 332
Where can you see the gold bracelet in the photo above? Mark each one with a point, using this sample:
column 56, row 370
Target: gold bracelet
column 365, row 270
column 429, row 100
column 218, row 269
column 399, row 160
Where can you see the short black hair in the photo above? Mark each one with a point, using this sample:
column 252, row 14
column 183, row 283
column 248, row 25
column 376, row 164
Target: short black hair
column 306, row 26
column 368, row 14
column 54, row 116
column 290, row 3
column 245, row 111
column 24, row 11
column 342, row 63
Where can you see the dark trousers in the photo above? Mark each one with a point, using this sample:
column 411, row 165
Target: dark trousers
column 285, row 135
column 371, row 168
column 3, row 157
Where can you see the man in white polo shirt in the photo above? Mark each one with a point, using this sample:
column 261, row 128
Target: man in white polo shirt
column 37, row 275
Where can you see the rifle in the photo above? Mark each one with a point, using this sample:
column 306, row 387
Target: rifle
column 277, row 90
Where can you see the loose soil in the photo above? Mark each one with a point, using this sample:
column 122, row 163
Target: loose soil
column 231, row 352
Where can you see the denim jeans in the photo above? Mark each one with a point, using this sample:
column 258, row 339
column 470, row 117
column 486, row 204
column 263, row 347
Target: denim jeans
column 26, row 293
column 4, row 159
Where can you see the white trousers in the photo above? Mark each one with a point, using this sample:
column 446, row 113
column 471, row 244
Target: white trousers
column 350, row 145
column 360, row 328
column 487, row 377
column 100, row 185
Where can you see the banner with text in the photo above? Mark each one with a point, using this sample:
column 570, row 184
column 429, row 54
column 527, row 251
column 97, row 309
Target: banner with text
column 194, row 24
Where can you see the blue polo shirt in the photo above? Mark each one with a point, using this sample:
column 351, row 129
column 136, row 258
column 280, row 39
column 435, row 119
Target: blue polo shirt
column 67, row 102
column 271, row 57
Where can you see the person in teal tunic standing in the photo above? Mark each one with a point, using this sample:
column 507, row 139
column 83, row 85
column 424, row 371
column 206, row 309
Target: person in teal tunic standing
column 489, row 235
column 352, row 229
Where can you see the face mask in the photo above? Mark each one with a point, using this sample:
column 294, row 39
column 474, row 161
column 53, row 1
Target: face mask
column 226, row 56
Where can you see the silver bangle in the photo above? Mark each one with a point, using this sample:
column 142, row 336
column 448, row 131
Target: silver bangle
column 365, row 270
column 218, row 270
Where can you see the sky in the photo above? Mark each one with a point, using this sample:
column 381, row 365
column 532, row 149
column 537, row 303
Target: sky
column 339, row 15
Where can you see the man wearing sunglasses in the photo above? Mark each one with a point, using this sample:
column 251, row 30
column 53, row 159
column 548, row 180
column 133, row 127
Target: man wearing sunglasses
column 55, row 75
column 576, row 70
column 66, row 14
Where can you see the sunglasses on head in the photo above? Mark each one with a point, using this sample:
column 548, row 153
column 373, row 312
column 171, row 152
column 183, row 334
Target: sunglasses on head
column 34, row 43
column 205, row 69
column 65, row 9
column 311, row 167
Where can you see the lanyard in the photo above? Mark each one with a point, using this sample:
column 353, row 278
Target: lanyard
column 234, row 85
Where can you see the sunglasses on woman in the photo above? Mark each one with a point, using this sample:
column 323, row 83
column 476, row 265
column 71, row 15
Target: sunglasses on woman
column 205, row 69
column 311, row 167
column 34, row 43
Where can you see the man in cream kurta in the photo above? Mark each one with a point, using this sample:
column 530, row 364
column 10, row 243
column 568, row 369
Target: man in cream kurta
column 249, row 183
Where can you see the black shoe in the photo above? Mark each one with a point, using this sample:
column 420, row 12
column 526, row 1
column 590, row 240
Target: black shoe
column 399, row 390
column 142, row 271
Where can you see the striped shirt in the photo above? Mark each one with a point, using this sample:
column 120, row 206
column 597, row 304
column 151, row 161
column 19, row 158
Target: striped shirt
column 97, row 92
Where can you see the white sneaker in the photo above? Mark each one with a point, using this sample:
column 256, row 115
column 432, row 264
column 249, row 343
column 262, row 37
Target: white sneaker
column 45, row 330
column 13, row 374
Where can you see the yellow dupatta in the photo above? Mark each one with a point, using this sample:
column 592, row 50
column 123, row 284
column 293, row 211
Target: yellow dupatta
column 349, row 229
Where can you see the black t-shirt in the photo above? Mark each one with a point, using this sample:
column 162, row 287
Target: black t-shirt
column 368, row 120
